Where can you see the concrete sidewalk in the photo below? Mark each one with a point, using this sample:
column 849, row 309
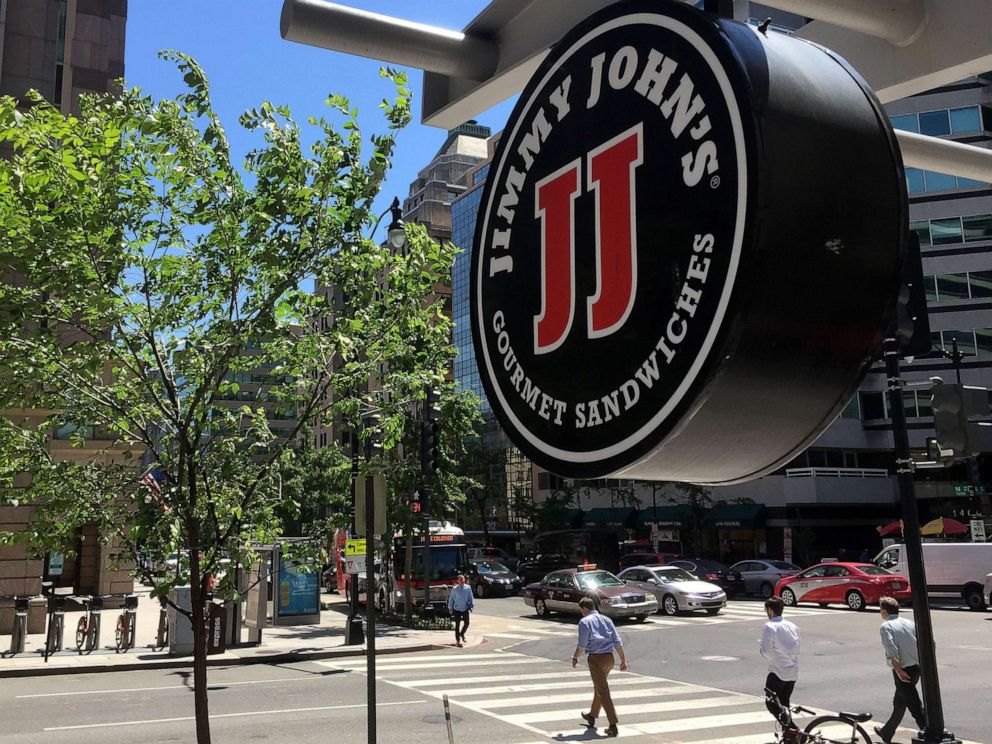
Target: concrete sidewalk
column 279, row 644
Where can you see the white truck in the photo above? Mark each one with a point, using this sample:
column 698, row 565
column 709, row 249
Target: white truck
column 953, row 570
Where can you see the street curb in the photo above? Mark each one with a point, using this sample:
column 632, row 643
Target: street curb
column 187, row 662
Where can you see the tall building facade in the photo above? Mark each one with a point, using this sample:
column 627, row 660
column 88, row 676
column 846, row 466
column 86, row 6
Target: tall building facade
column 61, row 48
column 834, row 495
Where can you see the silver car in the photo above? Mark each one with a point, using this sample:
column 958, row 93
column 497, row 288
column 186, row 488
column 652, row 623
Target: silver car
column 760, row 575
column 677, row 590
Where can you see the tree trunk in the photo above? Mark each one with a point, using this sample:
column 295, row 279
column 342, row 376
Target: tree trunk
column 200, row 706
column 408, row 573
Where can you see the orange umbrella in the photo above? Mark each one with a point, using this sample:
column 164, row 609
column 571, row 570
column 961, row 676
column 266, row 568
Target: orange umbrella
column 943, row 526
column 892, row 528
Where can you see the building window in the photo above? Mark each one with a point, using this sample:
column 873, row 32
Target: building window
column 946, row 231
column 983, row 341
column 952, row 287
column 872, row 405
column 851, row 409
column 906, row 122
column 981, row 283
column 935, row 123
column 60, row 53
column 922, row 230
column 977, row 227
column 965, row 339
column 968, row 119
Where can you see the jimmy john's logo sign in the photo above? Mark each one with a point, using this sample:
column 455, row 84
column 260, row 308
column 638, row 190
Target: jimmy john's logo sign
column 610, row 238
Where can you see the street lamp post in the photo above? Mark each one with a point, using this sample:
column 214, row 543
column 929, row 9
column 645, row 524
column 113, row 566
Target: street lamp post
column 930, row 682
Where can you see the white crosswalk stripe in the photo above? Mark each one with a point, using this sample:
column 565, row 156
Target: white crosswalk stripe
column 547, row 703
column 501, row 685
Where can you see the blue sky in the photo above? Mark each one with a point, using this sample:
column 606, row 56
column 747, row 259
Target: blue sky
column 238, row 44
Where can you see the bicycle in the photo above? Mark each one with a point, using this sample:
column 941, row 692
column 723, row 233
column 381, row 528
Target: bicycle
column 19, row 631
column 124, row 633
column 56, row 626
column 88, row 628
column 823, row 729
column 162, row 635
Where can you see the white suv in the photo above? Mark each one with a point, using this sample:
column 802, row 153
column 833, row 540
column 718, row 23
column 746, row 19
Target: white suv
column 988, row 590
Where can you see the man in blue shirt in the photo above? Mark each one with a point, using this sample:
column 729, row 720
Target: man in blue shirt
column 460, row 604
column 902, row 654
column 598, row 638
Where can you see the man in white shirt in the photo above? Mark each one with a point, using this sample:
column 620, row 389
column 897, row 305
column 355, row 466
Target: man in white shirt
column 780, row 646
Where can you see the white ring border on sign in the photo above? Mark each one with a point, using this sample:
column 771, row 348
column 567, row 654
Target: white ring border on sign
column 738, row 130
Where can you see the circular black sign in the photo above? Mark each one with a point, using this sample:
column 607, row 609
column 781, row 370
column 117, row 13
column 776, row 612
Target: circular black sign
column 611, row 237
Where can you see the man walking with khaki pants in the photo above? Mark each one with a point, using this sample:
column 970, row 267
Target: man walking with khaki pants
column 598, row 638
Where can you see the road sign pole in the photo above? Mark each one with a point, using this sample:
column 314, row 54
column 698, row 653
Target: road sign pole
column 914, row 554
column 371, row 591
column 353, row 635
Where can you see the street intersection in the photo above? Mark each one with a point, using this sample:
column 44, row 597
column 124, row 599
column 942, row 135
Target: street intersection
column 692, row 680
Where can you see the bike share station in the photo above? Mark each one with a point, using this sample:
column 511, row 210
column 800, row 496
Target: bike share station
column 709, row 217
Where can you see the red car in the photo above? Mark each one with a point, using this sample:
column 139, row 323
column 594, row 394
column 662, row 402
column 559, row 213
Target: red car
column 855, row 584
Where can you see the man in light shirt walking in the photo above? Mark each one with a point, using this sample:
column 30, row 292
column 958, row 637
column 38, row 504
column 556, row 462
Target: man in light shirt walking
column 598, row 637
column 780, row 647
column 902, row 654
column 460, row 605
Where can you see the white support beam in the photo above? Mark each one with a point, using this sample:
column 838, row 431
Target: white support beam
column 331, row 26
column 945, row 156
column 955, row 43
column 897, row 21
column 901, row 47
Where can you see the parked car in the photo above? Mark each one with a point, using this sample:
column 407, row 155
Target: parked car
column 676, row 589
column 494, row 554
column 760, row 575
column 954, row 570
column 855, row 584
column 363, row 585
column 988, row 589
column 488, row 578
column 561, row 591
column 562, row 549
column 647, row 559
column 706, row 570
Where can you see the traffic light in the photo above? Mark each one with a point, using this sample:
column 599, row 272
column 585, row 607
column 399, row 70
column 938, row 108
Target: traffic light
column 432, row 405
column 429, row 454
column 416, row 507
column 950, row 417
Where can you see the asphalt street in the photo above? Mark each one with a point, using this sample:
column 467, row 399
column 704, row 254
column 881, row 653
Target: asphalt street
column 692, row 679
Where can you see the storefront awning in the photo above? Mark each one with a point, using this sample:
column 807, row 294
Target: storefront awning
column 678, row 516
column 610, row 517
column 574, row 517
column 735, row 516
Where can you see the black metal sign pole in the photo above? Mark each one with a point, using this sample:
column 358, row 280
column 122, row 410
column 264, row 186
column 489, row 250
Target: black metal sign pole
column 914, row 551
column 370, row 591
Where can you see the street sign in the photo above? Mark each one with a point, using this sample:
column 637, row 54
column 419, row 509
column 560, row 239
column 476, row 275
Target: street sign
column 658, row 291
column 56, row 564
column 354, row 564
column 354, row 546
column 379, row 494
column 978, row 530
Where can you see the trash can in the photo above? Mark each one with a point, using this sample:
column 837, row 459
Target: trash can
column 216, row 628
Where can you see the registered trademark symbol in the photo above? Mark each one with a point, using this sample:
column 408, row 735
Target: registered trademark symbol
column 714, row 182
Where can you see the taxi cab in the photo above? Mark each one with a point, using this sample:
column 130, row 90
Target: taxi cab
column 560, row 591
column 855, row 584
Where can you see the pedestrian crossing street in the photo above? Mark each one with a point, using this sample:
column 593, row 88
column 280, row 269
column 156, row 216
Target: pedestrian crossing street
column 531, row 630
column 544, row 698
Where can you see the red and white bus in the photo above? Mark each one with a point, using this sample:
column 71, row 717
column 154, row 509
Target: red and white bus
column 447, row 558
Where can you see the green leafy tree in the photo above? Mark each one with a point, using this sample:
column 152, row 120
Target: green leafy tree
column 153, row 296
column 457, row 420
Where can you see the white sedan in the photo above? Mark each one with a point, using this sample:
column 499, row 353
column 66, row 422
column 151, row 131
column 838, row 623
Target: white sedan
column 988, row 590
column 677, row 590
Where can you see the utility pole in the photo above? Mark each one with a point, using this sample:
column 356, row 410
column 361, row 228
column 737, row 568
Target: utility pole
column 371, row 590
column 353, row 630
column 930, row 682
column 428, row 465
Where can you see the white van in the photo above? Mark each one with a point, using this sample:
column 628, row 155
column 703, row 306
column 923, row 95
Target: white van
column 954, row 570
